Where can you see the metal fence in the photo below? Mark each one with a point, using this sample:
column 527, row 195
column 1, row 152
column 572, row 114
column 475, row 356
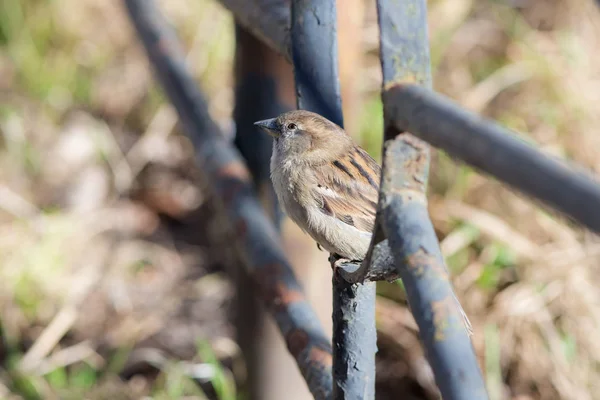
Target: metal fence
column 305, row 33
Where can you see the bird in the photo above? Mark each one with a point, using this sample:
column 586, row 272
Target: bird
column 326, row 183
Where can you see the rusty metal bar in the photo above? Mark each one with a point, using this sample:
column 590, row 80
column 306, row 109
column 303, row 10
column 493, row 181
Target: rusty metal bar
column 494, row 150
column 314, row 54
column 403, row 210
column 223, row 167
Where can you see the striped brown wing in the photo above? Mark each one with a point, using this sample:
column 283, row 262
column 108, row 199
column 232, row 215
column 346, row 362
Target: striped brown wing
column 349, row 187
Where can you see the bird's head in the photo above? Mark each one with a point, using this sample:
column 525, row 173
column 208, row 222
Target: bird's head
column 306, row 135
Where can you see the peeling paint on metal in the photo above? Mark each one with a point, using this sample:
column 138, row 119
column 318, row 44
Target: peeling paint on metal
column 421, row 260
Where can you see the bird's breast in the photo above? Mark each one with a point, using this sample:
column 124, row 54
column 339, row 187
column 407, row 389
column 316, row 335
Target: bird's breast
column 297, row 194
column 290, row 187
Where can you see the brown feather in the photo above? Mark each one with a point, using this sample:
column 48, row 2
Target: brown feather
column 359, row 181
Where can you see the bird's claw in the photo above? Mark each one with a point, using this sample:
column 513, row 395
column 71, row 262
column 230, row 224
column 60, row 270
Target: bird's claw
column 337, row 261
column 319, row 246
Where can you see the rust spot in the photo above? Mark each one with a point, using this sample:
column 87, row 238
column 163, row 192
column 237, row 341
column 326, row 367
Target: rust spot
column 408, row 77
column 284, row 296
column 404, row 78
column 274, row 292
column 392, row 85
column 422, row 262
column 321, row 356
column 234, row 170
column 296, row 341
column 443, row 310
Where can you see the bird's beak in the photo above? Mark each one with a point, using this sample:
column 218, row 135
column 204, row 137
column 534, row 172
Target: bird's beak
column 269, row 126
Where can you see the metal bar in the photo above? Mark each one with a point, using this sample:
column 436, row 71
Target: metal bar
column 259, row 72
column 258, row 95
column 354, row 340
column 255, row 235
column 269, row 20
column 403, row 210
column 378, row 266
column 314, row 53
column 494, row 150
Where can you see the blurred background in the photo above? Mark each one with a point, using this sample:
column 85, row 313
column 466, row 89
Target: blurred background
column 115, row 268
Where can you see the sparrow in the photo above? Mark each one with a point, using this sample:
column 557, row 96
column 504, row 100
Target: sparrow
column 325, row 182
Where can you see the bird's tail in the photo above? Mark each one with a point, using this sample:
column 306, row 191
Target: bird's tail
column 466, row 321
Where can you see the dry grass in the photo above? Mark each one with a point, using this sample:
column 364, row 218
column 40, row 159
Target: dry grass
column 92, row 173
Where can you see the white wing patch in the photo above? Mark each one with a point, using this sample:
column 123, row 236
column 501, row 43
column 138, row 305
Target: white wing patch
column 327, row 192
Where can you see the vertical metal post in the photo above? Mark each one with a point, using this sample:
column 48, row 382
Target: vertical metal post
column 258, row 95
column 404, row 216
column 314, row 55
column 354, row 340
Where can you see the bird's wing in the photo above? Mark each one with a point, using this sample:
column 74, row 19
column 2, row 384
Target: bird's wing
column 348, row 187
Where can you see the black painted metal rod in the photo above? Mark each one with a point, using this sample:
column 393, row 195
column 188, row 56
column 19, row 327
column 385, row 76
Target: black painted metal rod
column 256, row 237
column 314, row 54
column 269, row 20
column 494, row 150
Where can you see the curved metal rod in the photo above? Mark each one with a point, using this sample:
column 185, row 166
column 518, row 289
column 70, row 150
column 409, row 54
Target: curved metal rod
column 256, row 236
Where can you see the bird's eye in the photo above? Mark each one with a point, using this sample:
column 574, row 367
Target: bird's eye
column 291, row 126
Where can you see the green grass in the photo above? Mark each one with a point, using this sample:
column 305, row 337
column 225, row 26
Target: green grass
column 222, row 382
column 42, row 55
column 371, row 127
column 500, row 257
